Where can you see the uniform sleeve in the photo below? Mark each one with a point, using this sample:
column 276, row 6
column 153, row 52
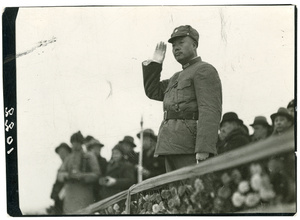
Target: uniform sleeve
column 209, row 99
column 154, row 88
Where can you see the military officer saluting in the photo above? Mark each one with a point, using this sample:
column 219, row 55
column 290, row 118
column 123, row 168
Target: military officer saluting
column 192, row 101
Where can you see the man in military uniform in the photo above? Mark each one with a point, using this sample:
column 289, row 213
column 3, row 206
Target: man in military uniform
column 192, row 101
column 152, row 166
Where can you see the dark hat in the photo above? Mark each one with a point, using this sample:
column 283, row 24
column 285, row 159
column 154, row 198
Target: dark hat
column 291, row 104
column 260, row 120
column 92, row 143
column 77, row 137
column 63, row 145
column 183, row 31
column 282, row 112
column 148, row 132
column 88, row 138
column 231, row 116
column 129, row 140
column 119, row 148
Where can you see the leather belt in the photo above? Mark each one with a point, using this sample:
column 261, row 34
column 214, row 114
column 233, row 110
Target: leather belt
column 180, row 115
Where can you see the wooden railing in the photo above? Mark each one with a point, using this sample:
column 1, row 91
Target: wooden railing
column 253, row 152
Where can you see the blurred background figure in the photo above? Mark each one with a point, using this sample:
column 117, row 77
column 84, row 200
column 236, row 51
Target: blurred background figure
column 261, row 128
column 152, row 166
column 233, row 133
column 63, row 150
column 281, row 167
column 291, row 108
column 282, row 121
column 119, row 174
column 79, row 172
column 94, row 146
column 128, row 145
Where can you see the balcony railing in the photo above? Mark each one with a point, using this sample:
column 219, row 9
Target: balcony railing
column 272, row 146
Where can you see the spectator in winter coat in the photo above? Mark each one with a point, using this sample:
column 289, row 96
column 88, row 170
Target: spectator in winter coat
column 232, row 133
column 119, row 174
column 94, row 146
column 128, row 145
column 63, row 150
column 79, row 172
column 261, row 128
column 152, row 166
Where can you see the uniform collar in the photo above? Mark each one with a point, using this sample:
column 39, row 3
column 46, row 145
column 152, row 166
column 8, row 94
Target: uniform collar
column 191, row 62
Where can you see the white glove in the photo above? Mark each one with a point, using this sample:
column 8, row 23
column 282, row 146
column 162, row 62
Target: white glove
column 110, row 181
column 201, row 156
column 159, row 53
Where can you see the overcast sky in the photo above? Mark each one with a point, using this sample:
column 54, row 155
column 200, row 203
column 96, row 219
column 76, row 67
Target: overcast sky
column 80, row 69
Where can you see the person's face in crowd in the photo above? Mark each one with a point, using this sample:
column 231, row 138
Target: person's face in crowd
column 147, row 143
column 127, row 147
column 281, row 123
column 96, row 150
column 260, row 132
column 291, row 111
column 226, row 128
column 184, row 49
column 222, row 136
column 76, row 146
column 116, row 155
column 63, row 153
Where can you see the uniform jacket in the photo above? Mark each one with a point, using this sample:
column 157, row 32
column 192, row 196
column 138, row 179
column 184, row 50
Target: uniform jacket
column 196, row 88
column 235, row 139
column 123, row 172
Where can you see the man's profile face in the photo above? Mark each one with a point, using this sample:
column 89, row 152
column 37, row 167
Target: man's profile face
column 291, row 111
column 260, row 131
column 226, row 128
column 184, row 49
column 96, row 150
column 147, row 142
column 76, row 146
column 63, row 153
column 281, row 123
column 127, row 147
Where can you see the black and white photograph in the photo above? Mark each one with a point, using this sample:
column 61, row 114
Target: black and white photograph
column 180, row 110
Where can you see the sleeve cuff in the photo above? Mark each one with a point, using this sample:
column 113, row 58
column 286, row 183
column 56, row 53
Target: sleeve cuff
column 147, row 62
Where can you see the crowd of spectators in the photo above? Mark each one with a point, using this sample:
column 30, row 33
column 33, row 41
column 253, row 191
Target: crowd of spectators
column 86, row 177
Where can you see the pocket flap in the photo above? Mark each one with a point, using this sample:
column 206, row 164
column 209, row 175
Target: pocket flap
column 185, row 83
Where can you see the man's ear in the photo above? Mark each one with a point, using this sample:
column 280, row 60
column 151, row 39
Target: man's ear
column 195, row 45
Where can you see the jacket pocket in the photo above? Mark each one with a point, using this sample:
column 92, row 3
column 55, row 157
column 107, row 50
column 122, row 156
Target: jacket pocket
column 185, row 90
column 191, row 125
